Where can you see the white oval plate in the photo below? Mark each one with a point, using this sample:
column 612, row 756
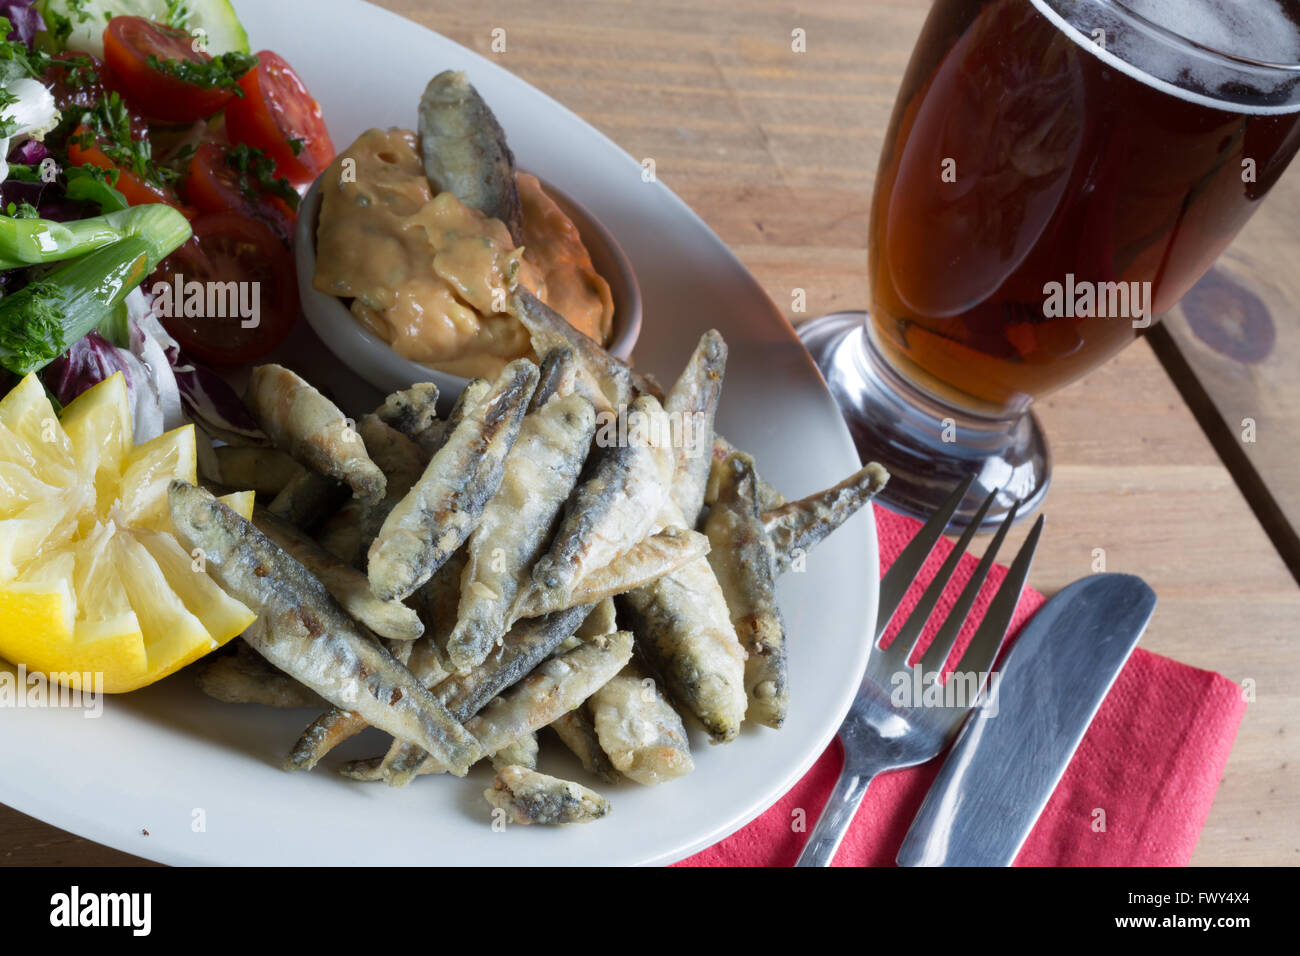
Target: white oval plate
column 203, row 777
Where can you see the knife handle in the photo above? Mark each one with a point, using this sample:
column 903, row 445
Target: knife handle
column 836, row 816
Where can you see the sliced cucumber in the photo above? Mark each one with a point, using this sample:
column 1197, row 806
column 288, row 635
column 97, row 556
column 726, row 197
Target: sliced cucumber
column 225, row 34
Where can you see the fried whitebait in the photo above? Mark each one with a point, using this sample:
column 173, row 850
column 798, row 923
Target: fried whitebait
column 308, row 636
column 540, row 472
column 796, row 526
column 465, row 151
column 743, row 561
column 613, row 509
column 639, row 730
column 439, row 513
column 527, row 796
column 307, row 425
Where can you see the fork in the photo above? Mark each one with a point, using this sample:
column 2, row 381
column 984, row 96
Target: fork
column 883, row 733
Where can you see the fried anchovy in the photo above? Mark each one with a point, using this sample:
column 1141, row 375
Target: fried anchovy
column 796, row 526
column 639, row 730
column 414, row 413
column 578, row 733
column 263, row 470
column 465, row 151
column 307, row 634
column 613, row 509
column 527, row 797
column 439, row 513
column 743, row 560
column 692, row 405
column 348, row 585
column 558, row 377
column 526, row 645
column 436, row 602
column 556, row 686
column 402, row 462
column 308, row 499
column 244, row 677
column 540, row 472
column 608, row 383
column 307, row 425
column 684, row 629
column 647, row 560
column 521, row 753
column 768, row 496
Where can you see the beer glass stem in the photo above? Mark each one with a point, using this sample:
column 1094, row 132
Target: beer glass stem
column 927, row 445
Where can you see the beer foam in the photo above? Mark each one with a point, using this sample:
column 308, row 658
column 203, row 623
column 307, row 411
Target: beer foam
column 1254, row 29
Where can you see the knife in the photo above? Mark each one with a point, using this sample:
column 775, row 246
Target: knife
column 1011, row 753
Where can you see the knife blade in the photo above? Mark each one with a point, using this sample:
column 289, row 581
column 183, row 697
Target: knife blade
column 1012, row 752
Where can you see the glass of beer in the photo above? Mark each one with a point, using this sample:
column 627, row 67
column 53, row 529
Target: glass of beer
column 1056, row 174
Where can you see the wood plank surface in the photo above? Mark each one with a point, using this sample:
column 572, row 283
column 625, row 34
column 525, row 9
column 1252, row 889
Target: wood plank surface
column 777, row 151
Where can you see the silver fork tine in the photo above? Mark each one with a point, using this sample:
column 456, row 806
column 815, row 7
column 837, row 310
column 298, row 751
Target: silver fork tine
column 983, row 649
column 900, row 649
column 941, row 646
column 908, row 563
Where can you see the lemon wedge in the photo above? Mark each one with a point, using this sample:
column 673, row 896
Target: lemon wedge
column 92, row 579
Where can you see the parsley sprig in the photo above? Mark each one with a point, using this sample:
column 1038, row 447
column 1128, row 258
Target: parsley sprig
column 223, row 71
column 255, row 172
column 107, row 127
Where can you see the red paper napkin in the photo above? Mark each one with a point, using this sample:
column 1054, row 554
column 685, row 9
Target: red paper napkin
column 1136, row 793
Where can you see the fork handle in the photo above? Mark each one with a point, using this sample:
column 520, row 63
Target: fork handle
column 836, row 816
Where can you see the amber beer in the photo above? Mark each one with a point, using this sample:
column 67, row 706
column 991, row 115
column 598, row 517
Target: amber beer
column 1037, row 149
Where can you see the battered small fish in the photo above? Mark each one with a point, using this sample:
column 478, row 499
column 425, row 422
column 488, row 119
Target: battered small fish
column 559, row 377
column 608, row 383
column 768, row 496
column 797, row 526
column 436, row 602
column 602, row 620
column 308, row 500
column 578, row 733
column 439, row 513
column 613, row 509
column 308, row 636
column 528, row 797
column 521, row 753
column 540, row 472
column 526, row 645
column 465, row 151
column 649, row 559
column 414, row 413
column 349, row 586
column 743, row 560
column 263, row 470
column 555, row 687
column 246, row 678
column 684, row 629
column 307, row 425
column 639, row 730
column 402, row 462
column 692, row 405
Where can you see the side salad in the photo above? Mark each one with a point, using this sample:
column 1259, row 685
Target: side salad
column 150, row 171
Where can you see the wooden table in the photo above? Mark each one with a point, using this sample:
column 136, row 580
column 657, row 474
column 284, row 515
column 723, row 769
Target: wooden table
column 777, row 151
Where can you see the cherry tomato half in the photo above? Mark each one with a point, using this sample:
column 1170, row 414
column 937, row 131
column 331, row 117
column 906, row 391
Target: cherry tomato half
column 213, row 186
column 138, row 191
column 129, row 42
column 230, row 248
column 76, row 80
column 279, row 116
